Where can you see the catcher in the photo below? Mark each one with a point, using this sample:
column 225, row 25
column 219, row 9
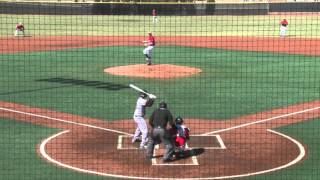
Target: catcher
column 181, row 135
column 150, row 43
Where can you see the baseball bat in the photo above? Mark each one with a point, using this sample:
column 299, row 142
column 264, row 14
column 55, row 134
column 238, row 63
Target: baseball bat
column 138, row 89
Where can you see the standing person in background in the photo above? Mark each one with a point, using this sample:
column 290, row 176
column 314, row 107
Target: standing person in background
column 149, row 44
column 19, row 29
column 159, row 133
column 154, row 16
column 283, row 27
column 142, row 129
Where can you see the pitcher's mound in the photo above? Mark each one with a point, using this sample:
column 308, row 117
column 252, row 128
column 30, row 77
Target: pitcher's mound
column 160, row 71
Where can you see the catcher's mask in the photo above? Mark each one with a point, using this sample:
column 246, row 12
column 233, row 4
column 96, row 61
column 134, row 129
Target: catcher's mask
column 179, row 120
column 163, row 104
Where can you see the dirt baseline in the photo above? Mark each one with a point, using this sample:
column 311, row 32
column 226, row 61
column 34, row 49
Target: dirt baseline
column 92, row 146
column 290, row 45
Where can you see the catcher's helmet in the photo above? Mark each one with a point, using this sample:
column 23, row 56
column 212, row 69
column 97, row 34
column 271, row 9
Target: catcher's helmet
column 162, row 104
column 179, row 120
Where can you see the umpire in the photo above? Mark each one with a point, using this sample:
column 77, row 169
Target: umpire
column 158, row 121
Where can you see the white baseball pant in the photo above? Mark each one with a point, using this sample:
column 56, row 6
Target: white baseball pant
column 142, row 129
column 283, row 30
column 148, row 51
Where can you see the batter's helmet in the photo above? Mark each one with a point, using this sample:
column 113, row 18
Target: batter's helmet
column 143, row 95
column 179, row 120
column 162, row 104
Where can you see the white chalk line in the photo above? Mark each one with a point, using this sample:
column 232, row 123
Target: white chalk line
column 46, row 156
column 193, row 159
column 50, row 159
column 222, row 145
column 119, row 146
column 261, row 121
column 65, row 121
column 217, row 136
column 296, row 160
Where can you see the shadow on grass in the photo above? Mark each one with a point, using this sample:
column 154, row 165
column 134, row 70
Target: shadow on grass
column 67, row 82
column 78, row 82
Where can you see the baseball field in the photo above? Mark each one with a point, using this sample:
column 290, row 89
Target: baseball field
column 250, row 98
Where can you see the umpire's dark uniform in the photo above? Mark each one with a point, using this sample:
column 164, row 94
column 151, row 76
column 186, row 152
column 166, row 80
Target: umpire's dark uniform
column 158, row 121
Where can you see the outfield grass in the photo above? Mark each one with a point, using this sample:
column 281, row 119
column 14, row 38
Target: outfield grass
column 39, row 25
column 233, row 83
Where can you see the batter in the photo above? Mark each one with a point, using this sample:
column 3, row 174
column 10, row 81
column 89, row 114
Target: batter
column 142, row 129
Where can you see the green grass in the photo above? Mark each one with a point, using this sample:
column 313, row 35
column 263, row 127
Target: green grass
column 19, row 159
column 307, row 133
column 39, row 25
column 233, row 83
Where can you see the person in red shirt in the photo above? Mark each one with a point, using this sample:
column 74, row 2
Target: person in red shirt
column 149, row 43
column 283, row 27
column 19, row 29
column 154, row 16
column 181, row 134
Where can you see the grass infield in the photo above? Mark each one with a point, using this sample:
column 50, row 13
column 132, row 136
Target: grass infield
column 233, row 83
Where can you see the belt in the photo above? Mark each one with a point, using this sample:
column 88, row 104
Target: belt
column 159, row 127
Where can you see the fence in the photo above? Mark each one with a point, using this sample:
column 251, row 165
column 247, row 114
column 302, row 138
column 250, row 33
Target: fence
column 85, row 88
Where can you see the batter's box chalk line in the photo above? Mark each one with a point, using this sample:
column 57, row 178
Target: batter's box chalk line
column 126, row 146
column 124, row 143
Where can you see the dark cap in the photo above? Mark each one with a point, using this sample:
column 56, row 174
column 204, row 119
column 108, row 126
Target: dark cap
column 162, row 104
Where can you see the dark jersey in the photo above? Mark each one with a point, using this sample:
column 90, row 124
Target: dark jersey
column 160, row 118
